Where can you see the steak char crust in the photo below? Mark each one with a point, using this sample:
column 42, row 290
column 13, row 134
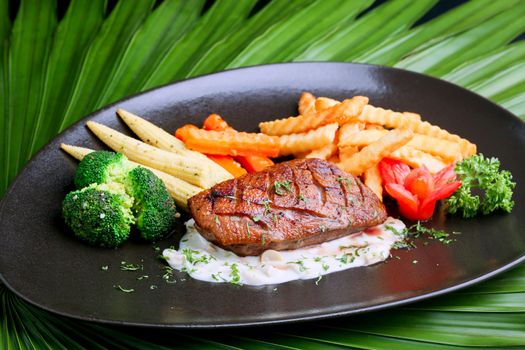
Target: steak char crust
column 287, row 206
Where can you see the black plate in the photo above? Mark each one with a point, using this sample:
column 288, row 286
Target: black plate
column 44, row 264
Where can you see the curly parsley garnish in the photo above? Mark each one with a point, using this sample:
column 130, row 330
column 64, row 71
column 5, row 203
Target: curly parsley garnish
column 483, row 175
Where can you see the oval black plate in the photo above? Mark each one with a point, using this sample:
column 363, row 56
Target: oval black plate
column 44, row 264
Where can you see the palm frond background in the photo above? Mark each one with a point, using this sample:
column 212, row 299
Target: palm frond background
column 59, row 62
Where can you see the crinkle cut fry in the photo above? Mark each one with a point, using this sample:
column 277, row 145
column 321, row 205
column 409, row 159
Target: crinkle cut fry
column 340, row 113
column 412, row 121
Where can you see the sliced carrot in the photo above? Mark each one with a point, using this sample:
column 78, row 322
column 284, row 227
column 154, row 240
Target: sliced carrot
column 229, row 164
column 183, row 130
column 215, row 122
column 251, row 163
column 254, row 163
column 228, row 142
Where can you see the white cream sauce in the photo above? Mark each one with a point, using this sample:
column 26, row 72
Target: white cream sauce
column 205, row 261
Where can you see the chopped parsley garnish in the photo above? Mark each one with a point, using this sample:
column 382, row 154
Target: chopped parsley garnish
column 167, row 277
column 188, row 254
column 104, row 268
column 345, row 258
column 130, row 267
column 418, row 229
column 216, row 219
column 301, row 197
column 248, row 229
column 266, row 204
column 153, row 286
column 344, row 179
column 263, row 239
column 318, row 279
column 234, row 274
column 279, row 185
column 299, row 263
column 125, row 290
column 257, row 218
column 415, row 231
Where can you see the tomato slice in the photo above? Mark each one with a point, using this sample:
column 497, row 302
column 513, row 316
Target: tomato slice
column 417, row 191
column 393, row 171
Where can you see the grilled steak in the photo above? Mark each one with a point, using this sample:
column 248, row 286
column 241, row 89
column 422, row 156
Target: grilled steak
column 286, row 206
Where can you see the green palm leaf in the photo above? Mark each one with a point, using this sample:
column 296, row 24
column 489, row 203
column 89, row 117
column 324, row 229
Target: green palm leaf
column 5, row 27
column 223, row 18
column 69, row 46
column 103, row 56
column 375, row 26
column 51, row 74
column 30, row 42
column 448, row 54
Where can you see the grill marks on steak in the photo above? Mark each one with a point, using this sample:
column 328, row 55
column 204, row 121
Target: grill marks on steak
column 287, row 206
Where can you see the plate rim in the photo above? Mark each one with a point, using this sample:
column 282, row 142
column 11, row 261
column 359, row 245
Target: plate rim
column 275, row 321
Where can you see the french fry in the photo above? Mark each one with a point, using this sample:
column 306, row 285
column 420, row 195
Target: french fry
column 373, row 181
column 307, row 104
column 363, row 138
column 467, row 148
column 180, row 190
column 443, row 148
column 324, row 152
column 340, row 113
column 158, row 137
column 322, row 103
column 387, row 117
column 343, row 112
column 185, row 168
column 417, row 159
column 345, row 151
column 372, row 154
column 374, row 127
column 346, row 131
column 306, row 142
column 412, row 121
column 289, row 125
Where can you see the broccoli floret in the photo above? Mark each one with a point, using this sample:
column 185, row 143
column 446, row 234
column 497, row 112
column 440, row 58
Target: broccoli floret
column 99, row 214
column 120, row 193
column 154, row 208
column 102, row 167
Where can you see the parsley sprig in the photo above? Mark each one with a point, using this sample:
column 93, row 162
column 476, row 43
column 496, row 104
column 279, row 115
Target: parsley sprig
column 480, row 175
